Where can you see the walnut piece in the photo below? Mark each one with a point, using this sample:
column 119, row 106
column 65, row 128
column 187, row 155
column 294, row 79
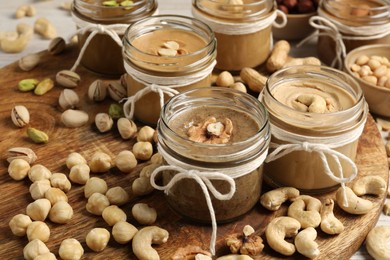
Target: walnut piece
column 211, row 131
column 245, row 244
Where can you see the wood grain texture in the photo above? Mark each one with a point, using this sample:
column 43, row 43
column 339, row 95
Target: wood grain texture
column 14, row 195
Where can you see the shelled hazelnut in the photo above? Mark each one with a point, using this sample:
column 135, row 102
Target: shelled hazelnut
column 297, row 6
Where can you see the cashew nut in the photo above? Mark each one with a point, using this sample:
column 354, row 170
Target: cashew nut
column 143, row 240
column 277, row 230
column 305, row 244
column 314, row 103
column 25, row 10
column 374, row 185
column 355, row 204
column 329, row 223
column 377, row 243
column 45, row 28
column 272, row 200
column 307, row 218
column 25, row 29
column 311, row 202
column 14, row 46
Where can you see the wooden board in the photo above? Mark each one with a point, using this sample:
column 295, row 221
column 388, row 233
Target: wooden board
column 14, row 195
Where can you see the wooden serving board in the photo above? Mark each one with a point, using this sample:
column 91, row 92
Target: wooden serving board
column 14, row 195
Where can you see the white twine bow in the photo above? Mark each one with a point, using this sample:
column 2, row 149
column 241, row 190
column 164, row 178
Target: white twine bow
column 203, row 178
column 322, row 150
column 129, row 105
column 330, row 30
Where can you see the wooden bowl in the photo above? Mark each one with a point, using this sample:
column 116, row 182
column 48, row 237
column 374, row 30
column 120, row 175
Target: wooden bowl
column 378, row 98
column 297, row 27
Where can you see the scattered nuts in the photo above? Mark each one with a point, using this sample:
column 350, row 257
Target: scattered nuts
column 68, row 78
column 97, row 91
column 79, row 174
column 113, row 214
column 143, row 240
column 59, row 180
column 34, row 248
column 100, row 162
column 68, row 99
column 55, row 194
column 97, row 202
column 95, row 185
column 238, row 86
column 103, row 122
column 116, row 111
column 11, row 36
column 25, row 30
column 224, row 79
column 144, row 214
column 61, row 212
column 27, row 84
column 127, row 128
column 56, row 46
column 278, row 56
column 74, row 118
column 45, row 28
column 29, row 62
column 117, row 196
column 18, row 169
column 305, row 244
column 116, row 90
column 299, row 211
column 143, row 150
column 123, row 232
column 145, row 134
column 46, row 256
column 97, row 239
column 43, row 87
column 125, row 161
column 37, row 136
column 190, row 252
column 19, row 223
column 356, row 205
column 39, row 209
column 329, row 223
column 70, row 249
column 302, row 61
column 141, row 186
column 253, row 79
column 245, row 243
column 39, row 172
column 38, row 230
column 374, row 185
column 21, row 153
column 377, row 242
column 38, row 189
column 74, row 159
column 25, row 10
column 20, row 116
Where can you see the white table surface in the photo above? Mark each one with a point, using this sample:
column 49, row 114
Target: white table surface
column 66, row 27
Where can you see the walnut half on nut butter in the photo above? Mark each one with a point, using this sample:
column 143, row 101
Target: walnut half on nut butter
column 211, row 131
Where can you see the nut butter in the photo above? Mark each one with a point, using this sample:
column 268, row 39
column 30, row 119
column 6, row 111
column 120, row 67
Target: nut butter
column 243, row 30
column 189, row 138
column 317, row 115
column 103, row 55
column 351, row 24
column 163, row 56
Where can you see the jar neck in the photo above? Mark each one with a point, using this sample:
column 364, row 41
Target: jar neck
column 357, row 12
column 250, row 10
column 213, row 156
column 169, row 66
column 96, row 12
column 309, row 123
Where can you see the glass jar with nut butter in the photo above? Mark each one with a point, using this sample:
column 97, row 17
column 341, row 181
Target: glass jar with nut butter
column 216, row 138
column 163, row 56
column 243, row 29
column 317, row 115
column 347, row 24
column 103, row 54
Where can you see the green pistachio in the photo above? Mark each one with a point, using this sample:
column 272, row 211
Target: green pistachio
column 27, row 84
column 128, row 4
column 44, row 86
column 110, row 3
column 116, row 111
column 37, row 136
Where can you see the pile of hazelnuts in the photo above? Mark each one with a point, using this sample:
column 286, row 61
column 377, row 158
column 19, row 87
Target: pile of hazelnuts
column 297, row 6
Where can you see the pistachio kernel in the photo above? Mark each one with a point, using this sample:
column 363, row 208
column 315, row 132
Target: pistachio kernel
column 27, row 84
column 43, row 87
column 37, row 136
column 110, row 3
column 116, row 111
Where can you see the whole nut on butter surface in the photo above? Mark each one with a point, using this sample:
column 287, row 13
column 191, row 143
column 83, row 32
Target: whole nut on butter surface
column 29, row 62
column 20, row 116
column 68, row 99
column 56, row 46
column 21, row 153
column 67, row 78
column 97, row 91
column 116, row 90
column 74, row 118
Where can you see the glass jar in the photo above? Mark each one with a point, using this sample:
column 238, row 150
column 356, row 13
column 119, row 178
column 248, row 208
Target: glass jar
column 317, row 115
column 243, row 31
column 103, row 55
column 352, row 24
column 239, row 160
column 153, row 76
